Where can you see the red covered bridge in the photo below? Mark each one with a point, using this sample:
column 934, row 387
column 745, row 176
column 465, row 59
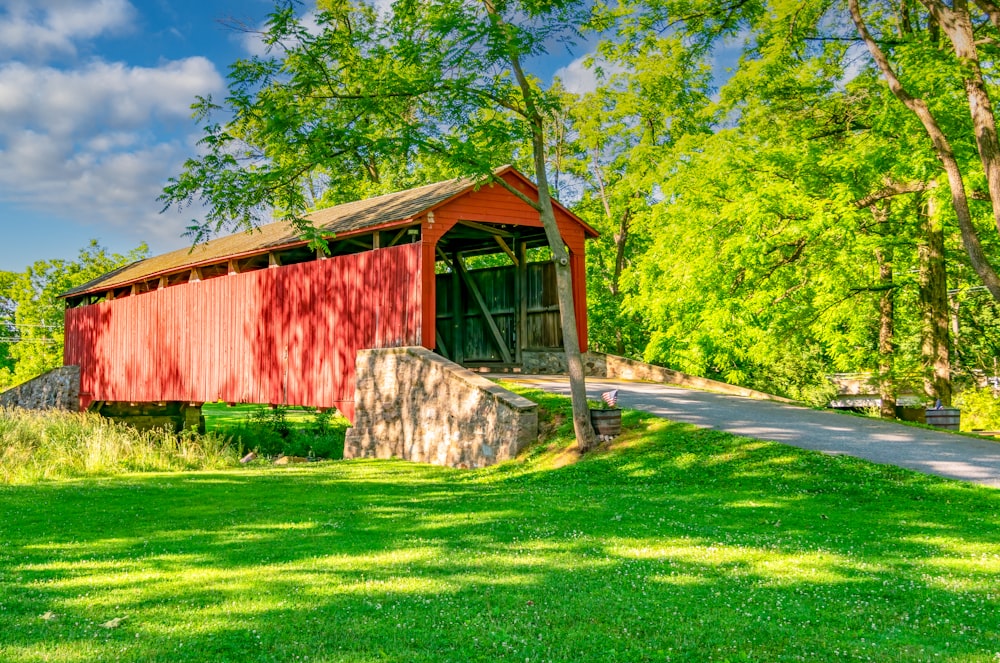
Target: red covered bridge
column 260, row 318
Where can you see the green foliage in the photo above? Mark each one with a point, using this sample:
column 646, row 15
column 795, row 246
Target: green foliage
column 740, row 241
column 280, row 430
column 978, row 342
column 54, row 445
column 8, row 329
column 980, row 409
column 624, row 133
column 30, row 301
column 684, row 544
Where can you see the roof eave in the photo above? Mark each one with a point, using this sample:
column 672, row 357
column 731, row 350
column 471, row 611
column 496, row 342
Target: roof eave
column 587, row 228
column 235, row 256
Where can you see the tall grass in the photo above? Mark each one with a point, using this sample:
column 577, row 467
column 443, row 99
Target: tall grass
column 53, row 445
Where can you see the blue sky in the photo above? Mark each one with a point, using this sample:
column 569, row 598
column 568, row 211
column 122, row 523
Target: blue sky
column 95, row 115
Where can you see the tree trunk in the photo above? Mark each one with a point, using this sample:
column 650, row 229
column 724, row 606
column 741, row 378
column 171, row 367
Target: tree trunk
column 943, row 149
column 585, row 436
column 957, row 25
column 933, row 286
column 955, row 306
column 886, row 313
column 621, row 241
column 886, row 344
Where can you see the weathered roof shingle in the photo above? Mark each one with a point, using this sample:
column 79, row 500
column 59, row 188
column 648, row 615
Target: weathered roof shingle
column 380, row 211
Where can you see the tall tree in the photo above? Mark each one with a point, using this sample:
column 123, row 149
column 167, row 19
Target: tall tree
column 965, row 71
column 933, row 289
column 778, row 253
column 653, row 95
column 440, row 77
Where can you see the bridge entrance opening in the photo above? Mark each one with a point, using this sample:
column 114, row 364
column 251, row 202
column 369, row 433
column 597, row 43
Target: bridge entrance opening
column 496, row 295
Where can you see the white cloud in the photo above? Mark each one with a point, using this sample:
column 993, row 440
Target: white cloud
column 580, row 78
column 87, row 144
column 68, row 102
column 383, row 7
column 253, row 42
column 40, row 29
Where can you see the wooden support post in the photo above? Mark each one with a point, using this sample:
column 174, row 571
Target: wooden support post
column 194, row 276
column 457, row 309
column 487, row 316
column 273, row 260
column 233, row 268
column 164, row 282
column 521, row 300
column 376, row 240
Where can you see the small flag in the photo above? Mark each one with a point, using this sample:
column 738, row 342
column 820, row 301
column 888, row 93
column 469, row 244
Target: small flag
column 610, row 397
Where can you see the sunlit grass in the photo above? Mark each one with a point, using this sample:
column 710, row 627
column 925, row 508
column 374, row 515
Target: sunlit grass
column 673, row 545
column 52, row 445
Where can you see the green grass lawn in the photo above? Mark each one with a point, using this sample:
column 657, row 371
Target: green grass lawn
column 221, row 417
column 676, row 545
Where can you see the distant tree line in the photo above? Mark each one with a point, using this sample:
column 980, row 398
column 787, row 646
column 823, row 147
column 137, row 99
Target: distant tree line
column 31, row 314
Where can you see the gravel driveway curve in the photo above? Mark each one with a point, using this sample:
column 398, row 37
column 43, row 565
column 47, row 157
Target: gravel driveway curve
column 928, row 451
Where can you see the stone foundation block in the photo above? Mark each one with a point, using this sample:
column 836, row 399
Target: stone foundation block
column 414, row 404
column 59, row 389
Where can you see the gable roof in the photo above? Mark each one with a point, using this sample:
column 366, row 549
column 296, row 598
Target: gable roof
column 386, row 211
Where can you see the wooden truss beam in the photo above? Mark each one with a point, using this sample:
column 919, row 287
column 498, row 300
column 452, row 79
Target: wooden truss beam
column 506, row 249
column 491, row 324
column 487, row 229
column 442, row 348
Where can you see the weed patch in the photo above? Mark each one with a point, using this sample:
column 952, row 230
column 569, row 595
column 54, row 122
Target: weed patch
column 53, row 445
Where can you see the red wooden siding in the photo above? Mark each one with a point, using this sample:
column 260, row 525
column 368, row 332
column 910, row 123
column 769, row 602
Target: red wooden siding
column 286, row 335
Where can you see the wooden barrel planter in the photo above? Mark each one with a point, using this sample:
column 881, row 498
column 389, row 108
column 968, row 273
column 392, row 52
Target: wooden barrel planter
column 606, row 422
column 948, row 418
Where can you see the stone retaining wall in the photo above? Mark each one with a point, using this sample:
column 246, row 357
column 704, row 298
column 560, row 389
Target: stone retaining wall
column 416, row 405
column 598, row 364
column 59, row 389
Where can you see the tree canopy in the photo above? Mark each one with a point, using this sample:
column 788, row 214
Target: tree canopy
column 31, row 315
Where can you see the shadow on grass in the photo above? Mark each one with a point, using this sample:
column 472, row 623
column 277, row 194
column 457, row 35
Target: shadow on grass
column 678, row 544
